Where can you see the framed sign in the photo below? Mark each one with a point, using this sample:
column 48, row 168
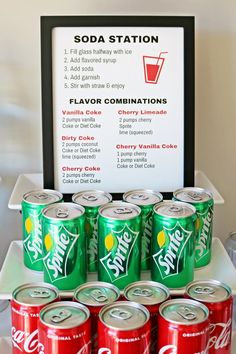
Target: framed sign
column 117, row 103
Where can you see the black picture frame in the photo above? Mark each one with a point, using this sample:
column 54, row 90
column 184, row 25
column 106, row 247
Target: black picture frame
column 48, row 23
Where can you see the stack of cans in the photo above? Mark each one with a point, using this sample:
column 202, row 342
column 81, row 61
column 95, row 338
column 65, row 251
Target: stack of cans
column 145, row 321
column 117, row 239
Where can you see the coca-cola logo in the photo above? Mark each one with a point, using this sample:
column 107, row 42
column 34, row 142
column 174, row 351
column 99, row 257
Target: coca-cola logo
column 25, row 342
column 85, row 348
column 168, row 349
column 104, row 350
column 220, row 334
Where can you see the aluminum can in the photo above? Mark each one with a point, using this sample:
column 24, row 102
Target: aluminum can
column 119, row 243
column 95, row 295
column 218, row 298
column 173, row 243
column 64, row 327
column 184, row 327
column 145, row 199
column 27, row 301
column 64, row 245
column 32, row 205
column 150, row 294
column 203, row 201
column 124, row 327
column 91, row 200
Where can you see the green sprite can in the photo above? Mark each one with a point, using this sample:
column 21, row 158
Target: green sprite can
column 64, row 245
column 119, row 243
column 91, row 200
column 32, row 205
column 173, row 243
column 145, row 199
column 204, row 204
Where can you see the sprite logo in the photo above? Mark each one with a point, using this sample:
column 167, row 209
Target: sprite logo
column 119, row 245
column 59, row 246
column 204, row 226
column 171, row 243
column 92, row 229
column 146, row 237
column 33, row 241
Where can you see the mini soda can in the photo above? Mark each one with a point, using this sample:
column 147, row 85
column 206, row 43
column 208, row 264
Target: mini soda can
column 27, row 301
column 145, row 199
column 64, row 245
column 64, row 327
column 184, row 327
column 124, row 327
column 95, row 295
column 173, row 243
column 91, row 200
column 204, row 204
column 150, row 294
column 218, row 298
column 32, row 205
column 119, row 243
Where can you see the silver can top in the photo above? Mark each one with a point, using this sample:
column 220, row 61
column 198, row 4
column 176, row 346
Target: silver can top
column 92, row 198
column 96, row 293
column 42, row 197
column 124, row 315
column 174, row 209
column 119, row 210
column 146, row 292
column 143, row 197
column 64, row 314
column 63, row 211
column 184, row 311
column 208, row 290
column 35, row 294
column 193, row 195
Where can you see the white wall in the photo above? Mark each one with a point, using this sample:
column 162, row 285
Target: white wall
column 20, row 111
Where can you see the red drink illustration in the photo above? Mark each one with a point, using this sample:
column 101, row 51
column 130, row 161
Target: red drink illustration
column 152, row 68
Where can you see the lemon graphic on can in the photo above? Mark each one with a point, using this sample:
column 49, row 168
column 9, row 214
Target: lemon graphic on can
column 28, row 225
column 198, row 224
column 162, row 239
column 48, row 242
column 109, row 242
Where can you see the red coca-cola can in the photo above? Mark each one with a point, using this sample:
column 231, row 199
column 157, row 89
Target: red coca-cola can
column 217, row 296
column 150, row 294
column 64, row 327
column 184, row 327
column 27, row 301
column 124, row 327
column 94, row 295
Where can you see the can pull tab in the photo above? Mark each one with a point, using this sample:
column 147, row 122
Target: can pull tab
column 142, row 292
column 175, row 209
column 187, row 313
column 62, row 213
column 61, row 316
column 90, row 197
column 123, row 210
column 194, row 196
column 139, row 196
column 207, row 290
column 41, row 196
column 39, row 293
column 98, row 295
column 120, row 314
